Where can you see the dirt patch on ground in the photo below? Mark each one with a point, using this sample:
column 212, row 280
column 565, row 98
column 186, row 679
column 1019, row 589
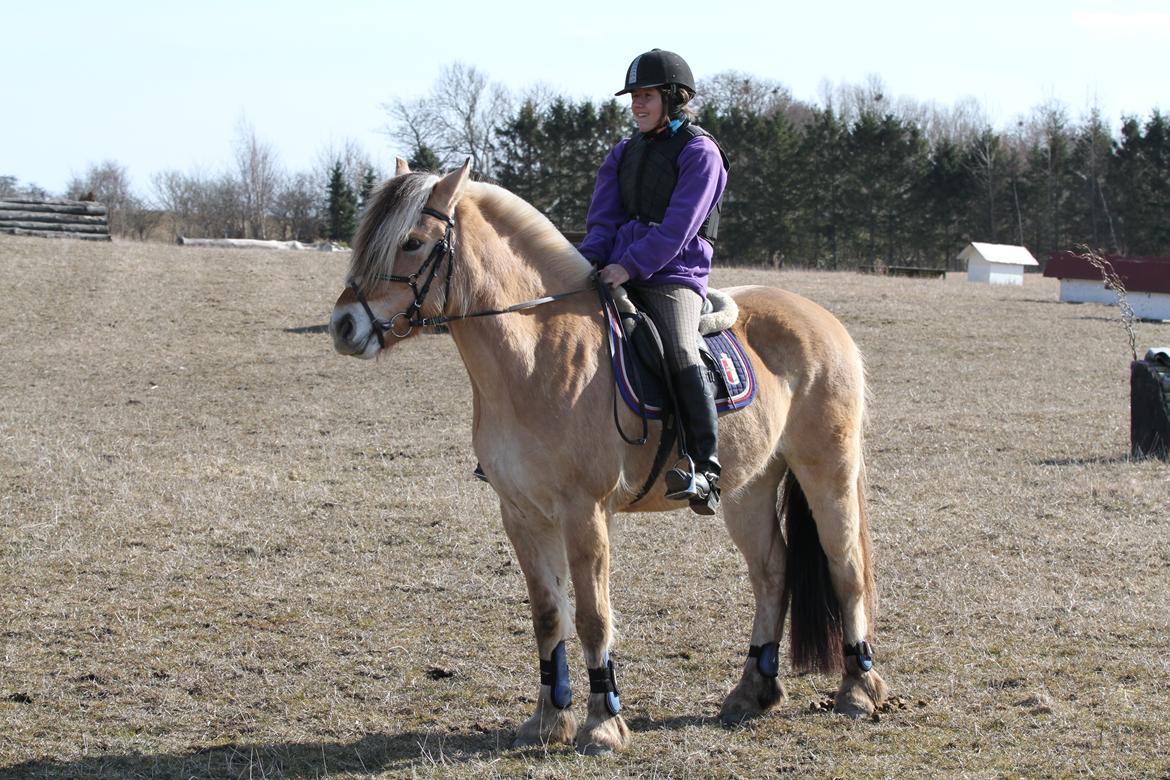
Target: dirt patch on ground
column 229, row 552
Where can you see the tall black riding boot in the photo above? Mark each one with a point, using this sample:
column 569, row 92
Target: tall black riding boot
column 696, row 401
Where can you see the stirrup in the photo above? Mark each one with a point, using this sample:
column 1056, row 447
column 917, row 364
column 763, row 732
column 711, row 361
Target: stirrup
column 706, row 506
column 699, row 489
column 683, row 485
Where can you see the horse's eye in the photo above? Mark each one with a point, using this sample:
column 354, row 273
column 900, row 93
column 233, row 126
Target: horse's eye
column 411, row 244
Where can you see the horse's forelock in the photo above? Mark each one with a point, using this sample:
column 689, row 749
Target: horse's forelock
column 392, row 211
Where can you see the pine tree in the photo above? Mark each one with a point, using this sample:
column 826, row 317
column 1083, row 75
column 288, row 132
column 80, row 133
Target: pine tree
column 1141, row 185
column 943, row 199
column 518, row 166
column 425, row 159
column 369, row 180
column 821, row 189
column 1092, row 216
column 342, row 206
column 550, row 156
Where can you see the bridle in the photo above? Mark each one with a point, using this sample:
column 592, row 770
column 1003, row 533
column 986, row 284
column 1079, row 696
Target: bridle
column 443, row 251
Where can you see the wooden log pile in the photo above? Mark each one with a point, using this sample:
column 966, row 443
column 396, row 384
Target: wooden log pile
column 55, row 218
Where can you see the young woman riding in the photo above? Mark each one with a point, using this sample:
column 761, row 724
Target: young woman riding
column 651, row 224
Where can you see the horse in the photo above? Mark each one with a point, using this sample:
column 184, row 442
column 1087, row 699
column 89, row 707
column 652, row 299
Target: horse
column 520, row 304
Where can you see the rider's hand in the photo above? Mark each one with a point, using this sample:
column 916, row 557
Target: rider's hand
column 613, row 275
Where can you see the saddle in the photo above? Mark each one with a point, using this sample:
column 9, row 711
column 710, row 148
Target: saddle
column 638, row 356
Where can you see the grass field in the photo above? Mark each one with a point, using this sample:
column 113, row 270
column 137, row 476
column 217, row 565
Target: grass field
column 227, row 552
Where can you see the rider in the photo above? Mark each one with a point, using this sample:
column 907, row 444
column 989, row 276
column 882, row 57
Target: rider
column 651, row 223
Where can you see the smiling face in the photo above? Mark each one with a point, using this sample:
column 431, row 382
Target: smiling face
column 648, row 109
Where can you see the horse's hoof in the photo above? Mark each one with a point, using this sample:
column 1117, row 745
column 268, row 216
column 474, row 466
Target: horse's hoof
column 854, row 709
column 859, row 695
column 593, row 749
column 603, row 737
column 751, row 699
column 543, row 729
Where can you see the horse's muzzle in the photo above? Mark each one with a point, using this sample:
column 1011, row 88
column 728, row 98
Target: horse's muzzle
column 351, row 334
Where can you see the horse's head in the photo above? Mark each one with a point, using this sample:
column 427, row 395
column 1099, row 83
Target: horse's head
column 402, row 255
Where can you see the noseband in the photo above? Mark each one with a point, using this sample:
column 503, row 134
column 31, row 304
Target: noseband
column 444, row 250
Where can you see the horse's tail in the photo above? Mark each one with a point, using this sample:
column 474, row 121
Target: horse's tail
column 816, row 632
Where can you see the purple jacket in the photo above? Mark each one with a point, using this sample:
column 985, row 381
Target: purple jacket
column 669, row 253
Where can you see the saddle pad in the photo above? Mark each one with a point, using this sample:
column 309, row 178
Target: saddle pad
column 735, row 378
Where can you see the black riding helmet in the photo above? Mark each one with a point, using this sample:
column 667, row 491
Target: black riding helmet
column 658, row 68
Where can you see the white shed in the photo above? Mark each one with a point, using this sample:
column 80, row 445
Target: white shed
column 1146, row 281
column 996, row 263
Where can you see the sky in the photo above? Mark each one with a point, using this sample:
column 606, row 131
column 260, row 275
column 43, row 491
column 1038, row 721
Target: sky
column 161, row 85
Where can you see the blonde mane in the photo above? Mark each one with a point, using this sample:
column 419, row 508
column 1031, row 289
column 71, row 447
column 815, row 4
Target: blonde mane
column 542, row 243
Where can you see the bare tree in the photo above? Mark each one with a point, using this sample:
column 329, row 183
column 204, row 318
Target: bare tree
column 259, row 174
column 215, row 206
column 735, row 91
column 10, row 187
column 413, row 124
column 175, row 193
column 851, row 101
column 457, row 119
column 109, row 183
column 961, row 123
column 142, row 220
column 297, row 206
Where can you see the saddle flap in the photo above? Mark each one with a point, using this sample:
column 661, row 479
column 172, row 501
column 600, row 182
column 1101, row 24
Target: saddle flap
column 735, row 385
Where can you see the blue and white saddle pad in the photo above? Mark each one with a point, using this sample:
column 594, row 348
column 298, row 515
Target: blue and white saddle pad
column 735, row 379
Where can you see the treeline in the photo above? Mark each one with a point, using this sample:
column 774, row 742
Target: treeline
column 254, row 198
column 857, row 178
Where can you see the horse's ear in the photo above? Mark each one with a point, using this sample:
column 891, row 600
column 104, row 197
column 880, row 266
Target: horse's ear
column 449, row 189
column 401, row 167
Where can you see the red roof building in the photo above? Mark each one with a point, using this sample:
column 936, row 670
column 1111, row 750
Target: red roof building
column 1146, row 281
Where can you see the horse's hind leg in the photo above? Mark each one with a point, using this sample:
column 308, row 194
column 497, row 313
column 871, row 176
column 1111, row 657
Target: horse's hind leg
column 540, row 549
column 835, row 497
column 587, row 543
column 750, row 515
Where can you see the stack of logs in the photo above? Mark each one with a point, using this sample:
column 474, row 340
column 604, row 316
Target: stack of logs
column 55, row 218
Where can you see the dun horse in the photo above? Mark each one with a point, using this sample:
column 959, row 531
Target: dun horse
column 435, row 249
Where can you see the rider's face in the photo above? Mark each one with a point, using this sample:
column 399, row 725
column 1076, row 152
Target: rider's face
column 646, row 105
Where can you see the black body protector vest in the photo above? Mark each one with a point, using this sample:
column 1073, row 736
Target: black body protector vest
column 648, row 173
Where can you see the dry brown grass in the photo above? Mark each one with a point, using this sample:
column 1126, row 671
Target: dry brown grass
column 228, row 552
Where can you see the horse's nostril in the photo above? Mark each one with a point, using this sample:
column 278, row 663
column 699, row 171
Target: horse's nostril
column 345, row 327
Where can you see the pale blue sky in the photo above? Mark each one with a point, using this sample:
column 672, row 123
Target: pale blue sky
column 160, row 85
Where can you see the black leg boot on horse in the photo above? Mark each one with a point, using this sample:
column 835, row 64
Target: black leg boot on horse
column 695, row 399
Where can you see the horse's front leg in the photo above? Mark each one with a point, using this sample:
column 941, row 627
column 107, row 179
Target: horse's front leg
column 540, row 549
column 587, row 541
